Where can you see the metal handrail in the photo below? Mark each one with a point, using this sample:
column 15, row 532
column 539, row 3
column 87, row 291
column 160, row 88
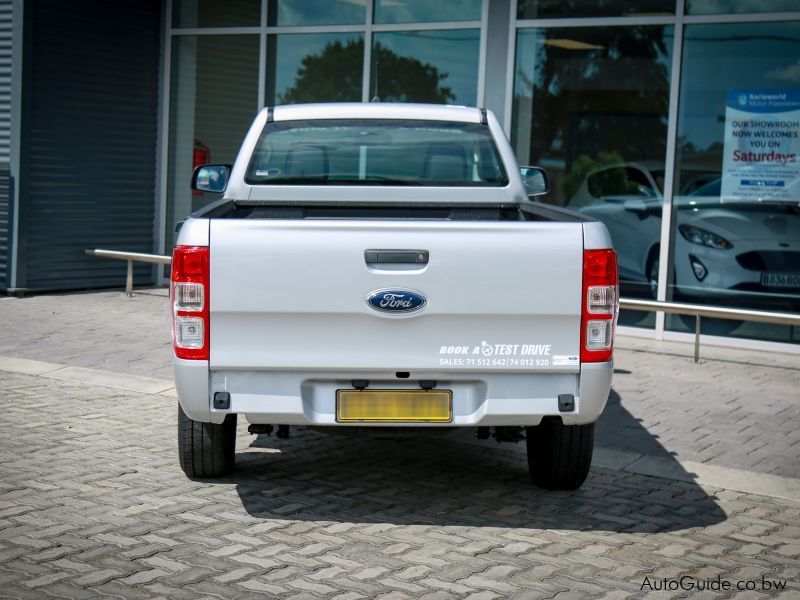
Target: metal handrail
column 131, row 257
column 676, row 308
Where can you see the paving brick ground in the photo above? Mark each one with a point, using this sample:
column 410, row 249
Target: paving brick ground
column 102, row 330
column 92, row 502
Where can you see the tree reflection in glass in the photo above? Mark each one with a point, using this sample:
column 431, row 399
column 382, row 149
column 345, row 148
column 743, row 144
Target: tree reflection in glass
column 605, row 94
column 439, row 68
column 591, row 106
column 426, row 66
column 334, row 75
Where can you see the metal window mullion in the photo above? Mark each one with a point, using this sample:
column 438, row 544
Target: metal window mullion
column 480, row 100
column 741, row 18
column 596, row 22
column 314, row 28
column 665, row 249
column 262, row 57
column 214, row 30
column 366, row 73
column 162, row 152
column 17, row 52
column 511, row 58
column 426, row 26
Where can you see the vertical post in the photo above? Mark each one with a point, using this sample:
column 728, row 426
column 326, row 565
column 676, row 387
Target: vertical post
column 366, row 75
column 667, row 212
column 480, row 101
column 697, row 338
column 510, row 58
column 129, row 280
column 162, row 175
column 262, row 58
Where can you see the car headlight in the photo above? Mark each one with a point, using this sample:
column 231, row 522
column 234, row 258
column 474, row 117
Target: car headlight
column 696, row 235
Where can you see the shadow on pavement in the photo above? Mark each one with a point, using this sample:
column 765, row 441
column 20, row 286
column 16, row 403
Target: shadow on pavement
column 440, row 481
column 620, row 430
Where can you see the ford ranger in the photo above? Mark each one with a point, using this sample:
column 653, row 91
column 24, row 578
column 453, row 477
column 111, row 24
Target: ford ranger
column 384, row 265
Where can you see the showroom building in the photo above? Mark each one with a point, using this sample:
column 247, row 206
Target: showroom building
column 675, row 122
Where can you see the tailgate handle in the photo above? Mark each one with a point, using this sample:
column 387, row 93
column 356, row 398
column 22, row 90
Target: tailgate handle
column 376, row 257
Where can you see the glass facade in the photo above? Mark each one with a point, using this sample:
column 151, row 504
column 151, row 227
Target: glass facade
column 733, row 246
column 721, row 7
column 288, row 13
column 593, row 104
column 212, row 13
column 555, row 9
column 219, row 79
column 410, row 11
column 605, row 92
column 213, row 95
column 426, row 66
column 314, row 67
column 631, row 106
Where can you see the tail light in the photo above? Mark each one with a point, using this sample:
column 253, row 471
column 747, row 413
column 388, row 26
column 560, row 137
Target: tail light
column 189, row 292
column 600, row 305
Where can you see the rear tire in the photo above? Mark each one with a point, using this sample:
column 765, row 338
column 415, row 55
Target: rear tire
column 559, row 455
column 206, row 450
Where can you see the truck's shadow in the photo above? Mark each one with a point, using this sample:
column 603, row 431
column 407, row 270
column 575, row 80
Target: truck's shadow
column 440, row 481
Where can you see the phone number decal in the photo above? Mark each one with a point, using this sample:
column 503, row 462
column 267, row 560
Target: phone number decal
column 494, row 362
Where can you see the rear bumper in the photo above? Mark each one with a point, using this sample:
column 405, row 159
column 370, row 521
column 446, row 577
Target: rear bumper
column 308, row 397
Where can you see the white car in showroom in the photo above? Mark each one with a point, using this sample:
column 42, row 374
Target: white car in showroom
column 727, row 251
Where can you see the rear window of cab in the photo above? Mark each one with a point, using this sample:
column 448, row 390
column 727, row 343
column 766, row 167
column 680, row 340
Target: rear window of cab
column 376, row 152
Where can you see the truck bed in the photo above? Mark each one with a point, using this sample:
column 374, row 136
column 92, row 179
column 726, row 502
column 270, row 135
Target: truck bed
column 533, row 211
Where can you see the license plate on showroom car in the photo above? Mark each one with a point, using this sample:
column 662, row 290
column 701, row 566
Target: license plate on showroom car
column 780, row 280
column 394, row 406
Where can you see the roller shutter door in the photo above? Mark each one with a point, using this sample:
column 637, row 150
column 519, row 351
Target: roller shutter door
column 6, row 195
column 90, row 132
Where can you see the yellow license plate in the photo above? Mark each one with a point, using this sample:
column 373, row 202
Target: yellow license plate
column 394, row 406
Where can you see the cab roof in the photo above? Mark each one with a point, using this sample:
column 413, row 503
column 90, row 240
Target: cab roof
column 376, row 110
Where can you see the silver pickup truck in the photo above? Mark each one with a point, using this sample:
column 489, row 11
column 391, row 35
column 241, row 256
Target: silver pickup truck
column 383, row 265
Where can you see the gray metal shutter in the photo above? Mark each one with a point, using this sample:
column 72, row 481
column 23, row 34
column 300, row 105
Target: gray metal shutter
column 89, row 135
column 6, row 14
column 6, row 204
column 6, row 195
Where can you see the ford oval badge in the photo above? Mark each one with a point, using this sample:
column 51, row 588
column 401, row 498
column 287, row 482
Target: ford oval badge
column 396, row 301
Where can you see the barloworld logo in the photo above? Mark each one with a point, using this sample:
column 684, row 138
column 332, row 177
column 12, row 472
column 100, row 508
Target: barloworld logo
column 396, row 301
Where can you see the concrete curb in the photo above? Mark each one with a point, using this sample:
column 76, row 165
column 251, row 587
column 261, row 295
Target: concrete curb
column 705, row 475
column 702, row 474
column 116, row 381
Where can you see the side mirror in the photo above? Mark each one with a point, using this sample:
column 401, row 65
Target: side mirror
column 647, row 191
column 211, row 178
column 636, row 206
column 535, row 180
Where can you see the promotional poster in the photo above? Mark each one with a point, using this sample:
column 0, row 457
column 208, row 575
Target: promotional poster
column 762, row 145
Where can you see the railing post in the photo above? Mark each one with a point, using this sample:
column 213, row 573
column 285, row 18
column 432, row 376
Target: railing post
column 129, row 280
column 697, row 338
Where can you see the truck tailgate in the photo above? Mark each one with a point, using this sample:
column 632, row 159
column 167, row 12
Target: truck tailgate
column 292, row 294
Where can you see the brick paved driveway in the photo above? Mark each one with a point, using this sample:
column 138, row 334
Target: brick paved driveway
column 92, row 502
